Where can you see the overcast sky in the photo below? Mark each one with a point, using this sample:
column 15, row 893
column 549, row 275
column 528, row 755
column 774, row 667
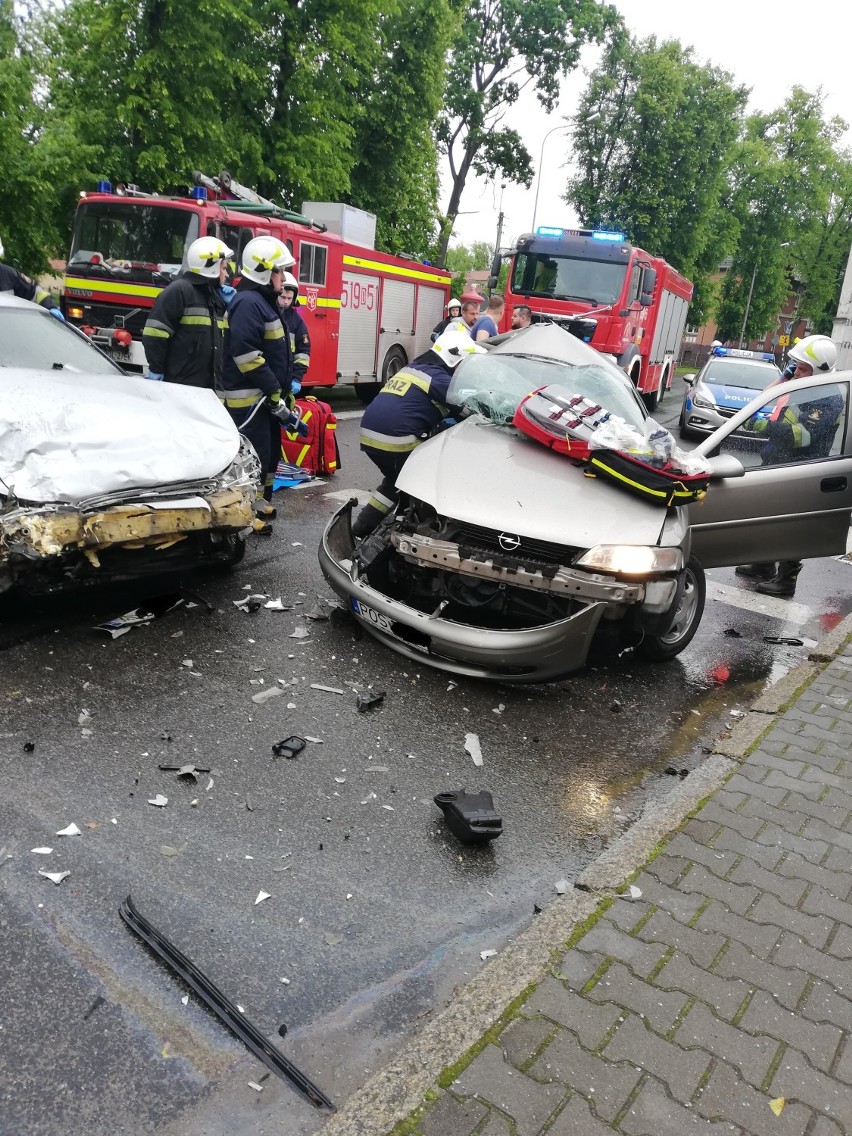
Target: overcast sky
column 767, row 46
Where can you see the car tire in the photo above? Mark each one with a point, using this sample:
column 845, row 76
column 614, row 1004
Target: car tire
column 688, row 609
column 235, row 546
column 681, row 425
column 651, row 399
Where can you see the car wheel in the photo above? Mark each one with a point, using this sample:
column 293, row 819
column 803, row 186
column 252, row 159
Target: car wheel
column 681, row 424
column 235, row 549
column 651, row 399
column 687, row 615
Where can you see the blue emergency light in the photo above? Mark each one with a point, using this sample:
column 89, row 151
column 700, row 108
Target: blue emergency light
column 199, row 192
column 742, row 353
column 549, row 231
column 605, row 235
column 104, row 187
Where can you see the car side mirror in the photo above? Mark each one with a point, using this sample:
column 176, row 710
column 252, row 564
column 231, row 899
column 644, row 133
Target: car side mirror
column 492, row 282
column 690, row 379
column 725, row 465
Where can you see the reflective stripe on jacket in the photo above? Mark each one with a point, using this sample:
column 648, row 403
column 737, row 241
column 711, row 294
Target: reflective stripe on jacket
column 257, row 350
column 184, row 336
column 408, row 407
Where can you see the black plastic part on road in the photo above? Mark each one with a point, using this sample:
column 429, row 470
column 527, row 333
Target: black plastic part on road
column 471, row 816
column 222, row 1006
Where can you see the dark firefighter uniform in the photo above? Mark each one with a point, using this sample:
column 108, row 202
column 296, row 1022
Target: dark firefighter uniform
column 24, row 288
column 258, row 364
column 300, row 341
column 404, row 412
column 184, row 336
column 793, row 434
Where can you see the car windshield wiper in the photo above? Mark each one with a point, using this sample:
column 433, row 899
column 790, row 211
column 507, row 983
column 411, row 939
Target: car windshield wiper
column 568, row 296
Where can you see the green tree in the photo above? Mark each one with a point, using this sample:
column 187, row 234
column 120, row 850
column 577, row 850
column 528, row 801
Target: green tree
column 395, row 174
column 822, row 250
column 655, row 130
column 782, row 181
column 502, row 47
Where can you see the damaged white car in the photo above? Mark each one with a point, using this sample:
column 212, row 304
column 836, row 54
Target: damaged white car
column 506, row 560
column 107, row 476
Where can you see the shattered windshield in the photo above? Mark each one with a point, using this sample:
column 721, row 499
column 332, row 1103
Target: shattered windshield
column 493, row 385
column 130, row 240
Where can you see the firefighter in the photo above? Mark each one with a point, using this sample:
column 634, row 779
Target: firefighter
column 185, row 332
column 796, row 433
column 14, row 282
column 404, row 412
column 258, row 362
column 300, row 342
column 453, row 313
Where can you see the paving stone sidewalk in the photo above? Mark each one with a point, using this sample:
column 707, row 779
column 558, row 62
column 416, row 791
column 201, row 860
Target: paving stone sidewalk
column 719, row 1002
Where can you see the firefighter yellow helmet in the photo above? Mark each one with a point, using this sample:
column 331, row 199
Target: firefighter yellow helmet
column 453, row 345
column 204, row 256
column 264, row 255
column 817, row 352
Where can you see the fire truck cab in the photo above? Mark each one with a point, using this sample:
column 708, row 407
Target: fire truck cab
column 634, row 304
column 367, row 313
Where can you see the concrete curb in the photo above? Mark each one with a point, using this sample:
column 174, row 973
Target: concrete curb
column 398, row 1090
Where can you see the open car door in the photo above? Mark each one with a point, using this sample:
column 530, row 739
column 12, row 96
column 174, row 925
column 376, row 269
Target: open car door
column 794, row 499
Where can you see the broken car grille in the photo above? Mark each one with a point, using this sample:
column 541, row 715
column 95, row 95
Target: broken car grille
column 542, row 551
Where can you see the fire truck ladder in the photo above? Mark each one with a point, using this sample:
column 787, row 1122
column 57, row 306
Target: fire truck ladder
column 250, row 201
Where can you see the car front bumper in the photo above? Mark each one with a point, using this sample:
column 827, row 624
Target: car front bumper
column 536, row 654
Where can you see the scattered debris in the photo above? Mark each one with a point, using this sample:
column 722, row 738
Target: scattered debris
column 264, row 695
column 56, row 877
column 561, row 887
column 29, row 747
column 333, row 939
column 783, row 640
column 99, row 1001
column 140, row 616
column 487, row 954
column 314, row 741
column 291, row 747
column 472, row 746
column 318, row 613
column 633, row 892
column 377, row 769
column 327, row 689
column 299, row 633
column 470, row 816
column 616, row 706
column 41, row 851
column 277, row 605
column 159, row 801
column 167, row 850
column 732, row 633
column 188, row 663
column 71, row 830
column 261, row 896
column 368, row 798
column 184, row 772
column 251, row 603
column 498, row 709
column 737, row 713
column 254, row 1085
column 84, row 717
column 225, row 1010
column 368, row 699
column 777, row 1105
column 681, row 773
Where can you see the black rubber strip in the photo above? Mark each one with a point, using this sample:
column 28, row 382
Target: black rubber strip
column 222, row 1006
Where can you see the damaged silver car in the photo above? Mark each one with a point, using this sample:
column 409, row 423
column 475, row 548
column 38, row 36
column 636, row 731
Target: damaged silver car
column 505, row 560
column 107, row 476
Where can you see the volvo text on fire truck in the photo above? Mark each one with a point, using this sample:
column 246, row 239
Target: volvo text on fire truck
column 634, row 305
column 368, row 313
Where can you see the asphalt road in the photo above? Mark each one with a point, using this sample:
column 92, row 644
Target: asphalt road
column 374, row 912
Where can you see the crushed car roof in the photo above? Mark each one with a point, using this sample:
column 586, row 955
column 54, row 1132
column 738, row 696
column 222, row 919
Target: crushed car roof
column 65, row 437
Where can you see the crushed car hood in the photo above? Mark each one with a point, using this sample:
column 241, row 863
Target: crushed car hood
column 66, row 437
column 492, row 477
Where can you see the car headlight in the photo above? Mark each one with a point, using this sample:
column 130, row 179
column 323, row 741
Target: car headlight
column 703, row 399
column 244, row 469
column 632, row 559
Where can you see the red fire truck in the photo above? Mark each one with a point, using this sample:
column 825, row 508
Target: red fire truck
column 368, row 313
column 632, row 305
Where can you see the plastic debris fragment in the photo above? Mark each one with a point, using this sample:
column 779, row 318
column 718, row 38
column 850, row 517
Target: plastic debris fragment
column 167, row 850
column 291, row 747
column 84, row 717
column 472, row 746
column 327, row 689
column 159, row 801
column 55, row 877
column 277, row 605
column 41, row 851
column 784, row 640
column 254, row 1085
column 261, row 896
column 265, row 695
column 470, row 816
column 251, row 603
column 71, row 830
column 368, row 699
column 314, row 741
column 561, row 887
column 777, row 1105
column 299, row 633
column 188, row 663
column 29, row 747
column 487, row 954
column 498, row 709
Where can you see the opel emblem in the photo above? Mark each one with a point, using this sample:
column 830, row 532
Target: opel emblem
column 509, row 541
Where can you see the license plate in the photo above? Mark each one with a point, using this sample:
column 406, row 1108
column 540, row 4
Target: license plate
column 372, row 616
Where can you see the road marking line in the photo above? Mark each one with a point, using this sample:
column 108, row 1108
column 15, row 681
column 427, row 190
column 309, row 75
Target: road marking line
column 342, row 415
column 772, row 606
column 343, row 495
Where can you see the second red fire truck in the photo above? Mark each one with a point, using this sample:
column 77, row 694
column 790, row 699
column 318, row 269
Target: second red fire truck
column 368, row 313
column 633, row 305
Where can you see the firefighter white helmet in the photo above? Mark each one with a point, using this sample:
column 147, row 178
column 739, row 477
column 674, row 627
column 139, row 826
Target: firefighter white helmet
column 291, row 284
column 817, row 352
column 204, row 256
column 264, row 255
column 453, row 345
column 454, row 304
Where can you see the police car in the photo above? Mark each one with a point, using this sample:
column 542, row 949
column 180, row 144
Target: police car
column 727, row 382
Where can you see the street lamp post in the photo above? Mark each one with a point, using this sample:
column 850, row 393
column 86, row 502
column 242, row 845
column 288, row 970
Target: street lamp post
column 593, row 117
column 783, row 245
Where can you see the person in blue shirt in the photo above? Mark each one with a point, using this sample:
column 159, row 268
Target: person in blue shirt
column 486, row 325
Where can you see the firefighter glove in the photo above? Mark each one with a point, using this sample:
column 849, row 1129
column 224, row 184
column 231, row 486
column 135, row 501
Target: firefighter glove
column 58, row 313
column 156, row 377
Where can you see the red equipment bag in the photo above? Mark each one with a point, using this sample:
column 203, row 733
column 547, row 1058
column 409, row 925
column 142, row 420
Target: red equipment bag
column 559, row 419
column 318, row 452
